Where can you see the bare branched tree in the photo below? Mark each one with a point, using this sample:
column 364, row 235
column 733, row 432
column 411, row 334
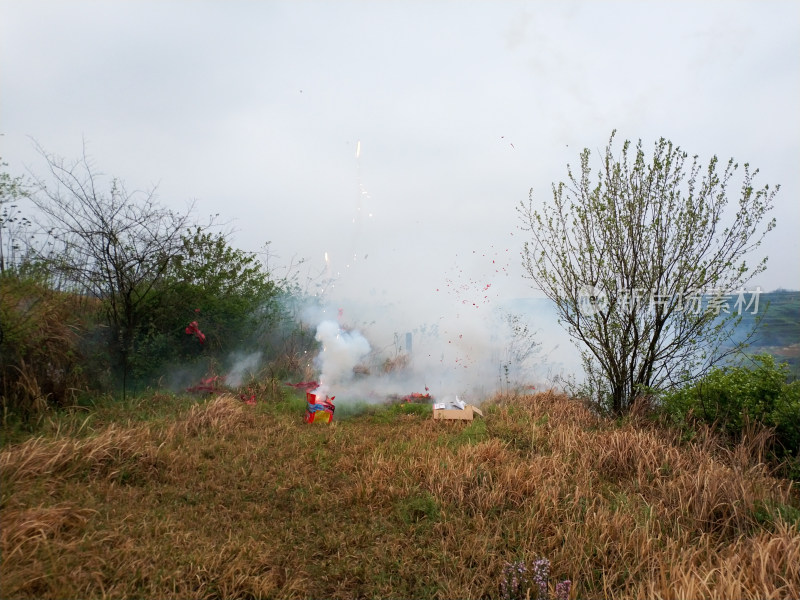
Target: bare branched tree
column 519, row 348
column 643, row 263
column 14, row 225
column 113, row 244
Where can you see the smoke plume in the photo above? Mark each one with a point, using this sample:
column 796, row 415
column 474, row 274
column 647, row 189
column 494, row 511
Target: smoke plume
column 340, row 353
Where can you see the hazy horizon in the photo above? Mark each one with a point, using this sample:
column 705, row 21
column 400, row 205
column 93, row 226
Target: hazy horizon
column 387, row 145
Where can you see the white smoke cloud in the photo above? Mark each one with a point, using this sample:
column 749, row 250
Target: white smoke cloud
column 340, row 353
column 449, row 334
column 446, row 352
column 243, row 366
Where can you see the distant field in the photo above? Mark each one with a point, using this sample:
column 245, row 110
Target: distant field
column 225, row 500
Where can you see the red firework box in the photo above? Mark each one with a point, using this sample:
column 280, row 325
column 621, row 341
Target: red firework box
column 319, row 411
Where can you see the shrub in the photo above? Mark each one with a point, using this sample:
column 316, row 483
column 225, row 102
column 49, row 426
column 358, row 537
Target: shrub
column 732, row 397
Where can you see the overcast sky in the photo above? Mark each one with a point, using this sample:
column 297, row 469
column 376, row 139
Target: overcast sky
column 255, row 110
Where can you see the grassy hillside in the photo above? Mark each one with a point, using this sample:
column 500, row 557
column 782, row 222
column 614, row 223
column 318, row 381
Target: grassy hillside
column 226, row 500
column 779, row 330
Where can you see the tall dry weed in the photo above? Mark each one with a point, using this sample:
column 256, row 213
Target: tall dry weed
column 22, row 530
column 39, row 348
column 225, row 414
column 103, row 454
column 766, row 565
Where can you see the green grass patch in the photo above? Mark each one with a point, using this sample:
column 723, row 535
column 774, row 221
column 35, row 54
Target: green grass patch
column 391, row 413
column 769, row 513
column 417, row 509
column 472, row 433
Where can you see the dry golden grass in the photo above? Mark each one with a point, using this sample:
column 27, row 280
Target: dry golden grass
column 40, row 346
column 104, row 453
column 234, row 501
column 224, row 416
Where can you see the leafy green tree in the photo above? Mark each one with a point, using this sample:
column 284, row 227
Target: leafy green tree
column 228, row 291
column 231, row 287
column 622, row 254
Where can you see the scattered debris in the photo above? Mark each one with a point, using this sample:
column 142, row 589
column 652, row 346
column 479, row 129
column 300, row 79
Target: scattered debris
column 194, row 329
column 248, row 397
column 306, row 386
column 212, row 385
column 215, row 384
column 415, row 398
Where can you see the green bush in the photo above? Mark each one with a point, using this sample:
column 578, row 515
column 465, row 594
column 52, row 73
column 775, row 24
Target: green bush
column 228, row 292
column 729, row 397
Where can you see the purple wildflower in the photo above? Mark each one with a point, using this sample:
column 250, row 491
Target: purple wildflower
column 562, row 589
column 541, row 574
column 519, row 582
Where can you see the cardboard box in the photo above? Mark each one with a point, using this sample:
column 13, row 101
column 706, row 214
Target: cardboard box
column 456, row 414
